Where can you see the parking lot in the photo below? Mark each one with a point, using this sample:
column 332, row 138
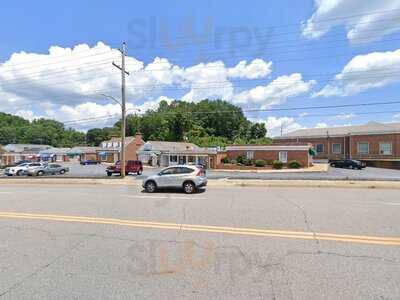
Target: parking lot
column 369, row 173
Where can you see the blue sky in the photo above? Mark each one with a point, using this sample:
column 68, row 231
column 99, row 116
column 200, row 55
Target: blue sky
column 271, row 32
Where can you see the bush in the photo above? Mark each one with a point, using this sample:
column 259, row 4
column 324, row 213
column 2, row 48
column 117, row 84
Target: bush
column 260, row 163
column 277, row 164
column 233, row 161
column 247, row 162
column 294, row 164
column 225, row 160
column 240, row 159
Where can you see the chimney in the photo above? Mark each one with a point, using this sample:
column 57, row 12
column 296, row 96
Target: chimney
column 138, row 139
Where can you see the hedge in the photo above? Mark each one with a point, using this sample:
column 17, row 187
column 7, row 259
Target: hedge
column 260, row 163
column 294, row 164
column 277, row 164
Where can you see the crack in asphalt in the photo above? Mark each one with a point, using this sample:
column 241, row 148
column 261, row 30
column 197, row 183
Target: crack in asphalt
column 305, row 216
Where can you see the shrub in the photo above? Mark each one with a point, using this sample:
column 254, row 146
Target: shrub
column 225, row 160
column 294, row 164
column 260, row 163
column 277, row 164
column 247, row 162
column 233, row 161
column 241, row 159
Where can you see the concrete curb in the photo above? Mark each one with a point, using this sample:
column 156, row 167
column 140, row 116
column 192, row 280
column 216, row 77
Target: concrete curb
column 131, row 181
column 306, row 183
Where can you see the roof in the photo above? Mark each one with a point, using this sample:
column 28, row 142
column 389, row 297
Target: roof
column 162, row 146
column 369, row 128
column 115, row 139
column 19, row 148
column 55, row 151
column 82, row 149
column 268, row 147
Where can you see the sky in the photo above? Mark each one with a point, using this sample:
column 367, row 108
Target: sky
column 56, row 59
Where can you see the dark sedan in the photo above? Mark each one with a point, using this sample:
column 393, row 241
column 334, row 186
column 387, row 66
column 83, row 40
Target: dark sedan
column 348, row 163
column 89, row 162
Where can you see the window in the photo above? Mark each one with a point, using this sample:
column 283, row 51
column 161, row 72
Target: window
column 184, row 170
column 250, row 154
column 385, row 148
column 336, row 148
column 319, row 148
column 191, row 159
column 173, row 158
column 363, row 148
column 283, row 156
column 170, row 171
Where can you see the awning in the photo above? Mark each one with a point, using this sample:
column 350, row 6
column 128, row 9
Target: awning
column 312, row 152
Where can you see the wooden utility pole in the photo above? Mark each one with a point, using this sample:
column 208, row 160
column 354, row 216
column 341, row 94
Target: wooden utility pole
column 123, row 106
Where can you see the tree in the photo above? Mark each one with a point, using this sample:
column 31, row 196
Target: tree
column 258, row 130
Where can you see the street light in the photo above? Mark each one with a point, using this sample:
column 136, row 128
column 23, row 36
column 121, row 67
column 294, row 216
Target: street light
column 123, row 126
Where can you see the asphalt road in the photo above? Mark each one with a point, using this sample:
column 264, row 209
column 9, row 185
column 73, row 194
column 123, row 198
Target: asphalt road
column 101, row 242
column 332, row 174
column 98, row 171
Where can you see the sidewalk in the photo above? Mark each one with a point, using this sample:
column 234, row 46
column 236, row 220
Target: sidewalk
column 314, row 168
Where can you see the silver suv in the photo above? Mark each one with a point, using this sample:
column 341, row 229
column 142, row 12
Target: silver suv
column 187, row 177
column 22, row 169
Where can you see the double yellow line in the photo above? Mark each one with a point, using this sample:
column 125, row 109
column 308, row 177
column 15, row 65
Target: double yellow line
column 389, row 241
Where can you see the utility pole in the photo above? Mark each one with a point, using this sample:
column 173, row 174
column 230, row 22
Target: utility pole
column 123, row 105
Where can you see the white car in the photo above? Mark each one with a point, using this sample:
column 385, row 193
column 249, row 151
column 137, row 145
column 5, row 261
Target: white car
column 187, row 177
column 22, row 169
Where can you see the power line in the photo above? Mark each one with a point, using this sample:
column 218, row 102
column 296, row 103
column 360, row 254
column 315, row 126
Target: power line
column 144, row 70
column 209, row 85
column 255, row 110
column 8, row 64
column 224, row 41
column 321, row 21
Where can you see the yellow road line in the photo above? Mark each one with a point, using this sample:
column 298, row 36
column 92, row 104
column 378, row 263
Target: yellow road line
column 394, row 241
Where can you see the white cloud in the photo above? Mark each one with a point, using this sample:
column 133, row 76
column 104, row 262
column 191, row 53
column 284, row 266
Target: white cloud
column 275, row 92
column 258, row 68
column 343, row 116
column 274, row 125
column 26, row 114
column 68, row 83
column 365, row 21
column 321, row 125
column 364, row 72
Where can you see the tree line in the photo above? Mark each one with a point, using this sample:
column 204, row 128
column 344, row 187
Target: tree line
column 206, row 123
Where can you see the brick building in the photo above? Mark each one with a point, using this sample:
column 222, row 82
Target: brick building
column 269, row 153
column 373, row 142
column 110, row 150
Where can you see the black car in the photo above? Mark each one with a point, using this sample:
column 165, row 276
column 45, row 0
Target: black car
column 89, row 162
column 348, row 163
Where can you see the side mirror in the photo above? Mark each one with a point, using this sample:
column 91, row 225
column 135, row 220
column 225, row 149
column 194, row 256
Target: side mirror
column 159, row 174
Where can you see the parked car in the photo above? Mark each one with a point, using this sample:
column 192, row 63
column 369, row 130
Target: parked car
column 131, row 166
column 187, row 177
column 89, row 162
column 22, row 169
column 50, row 169
column 348, row 163
column 17, row 163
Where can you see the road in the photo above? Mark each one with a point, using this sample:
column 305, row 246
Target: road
column 98, row 171
column 100, row 242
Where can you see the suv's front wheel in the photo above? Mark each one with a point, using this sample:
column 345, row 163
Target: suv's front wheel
column 150, row 186
column 189, row 187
